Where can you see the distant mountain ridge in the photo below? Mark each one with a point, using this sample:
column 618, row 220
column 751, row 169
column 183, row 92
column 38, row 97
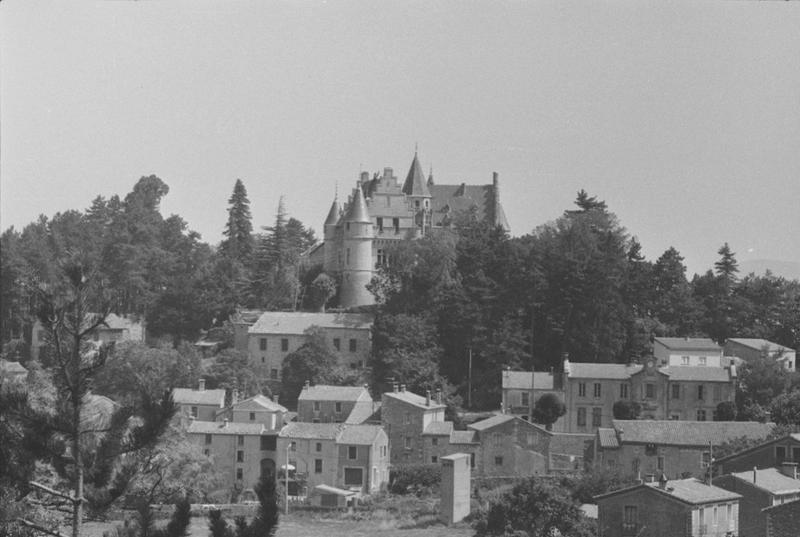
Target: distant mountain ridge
column 788, row 269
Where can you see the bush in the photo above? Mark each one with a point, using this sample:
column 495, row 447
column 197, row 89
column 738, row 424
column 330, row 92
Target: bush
column 415, row 478
column 627, row 410
column 726, row 411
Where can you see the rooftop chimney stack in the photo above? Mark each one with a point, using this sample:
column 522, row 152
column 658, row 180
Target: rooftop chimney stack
column 307, row 385
column 225, row 423
column 427, row 398
column 755, row 475
column 394, row 387
column 403, row 388
column 789, row 469
column 202, row 385
column 439, row 395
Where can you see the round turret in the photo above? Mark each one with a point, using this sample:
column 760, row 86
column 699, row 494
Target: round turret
column 357, row 266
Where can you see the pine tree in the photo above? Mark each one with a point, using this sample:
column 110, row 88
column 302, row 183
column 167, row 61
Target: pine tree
column 239, row 230
column 727, row 267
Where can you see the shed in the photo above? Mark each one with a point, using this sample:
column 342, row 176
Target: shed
column 331, row 497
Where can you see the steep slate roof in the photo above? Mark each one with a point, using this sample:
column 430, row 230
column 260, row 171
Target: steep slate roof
column 521, row 380
column 231, row 427
column 770, row 480
column 439, row 428
column 359, row 434
column 259, row 402
column 759, row 344
column 322, row 392
column 697, row 373
column 688, row 433
column 296, row 323
column 415, row 184
column 188, row 396
column 602, row 371
column 414, row 399
column 689, row 344
column 334, row 213
column 357, row 208
column 607, row 438
column 463, row 437
column 691, row 491
column 304, row 430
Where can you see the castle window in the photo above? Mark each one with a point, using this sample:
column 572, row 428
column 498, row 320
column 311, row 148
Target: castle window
column 597, row 387
column 273, row 374
column 676, row 391
column 581, row 389
column 701, row 415
column 581, row 417
column 650, row 391
column 381, row 258
column 596, row 417
column 380, row 224
column 701, row 392
column 396, row 224
column 623, row 391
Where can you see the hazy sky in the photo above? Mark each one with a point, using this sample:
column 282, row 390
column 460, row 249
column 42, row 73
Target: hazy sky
column 683, row 116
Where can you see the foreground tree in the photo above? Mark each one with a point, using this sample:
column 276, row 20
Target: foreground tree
column 547, row 409
column 87, row 439
column 312, row 362
column 264, row 524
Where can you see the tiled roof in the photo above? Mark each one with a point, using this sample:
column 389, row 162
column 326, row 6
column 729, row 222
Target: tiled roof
column 689, row 344
column 494, row 421
column 414, row 399
column 521, row 380
column 322, row 392
column 323, row 431
column 245, row 316
column 231, row 427
column 691, row 491
column 607, row 438
column 602, row 371
column 439, row 428
column 261, row 402
column 771, row 480
column 362, row 411
column 697, row 373
column 188, row 396
column 449, row 200
column 688, row 433
column 359, row 434
column 463, row 437
column 759, row 344
column 793, row 436
column 296, row 323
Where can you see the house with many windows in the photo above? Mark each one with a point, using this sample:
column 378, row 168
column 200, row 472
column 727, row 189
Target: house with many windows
column 337, row 404
column 521, row 390
column 678, row 351
column 769, row 454
column 405, row 416
column 681, row 507
column 200, row 404
column 749, row 349
column 278, row 333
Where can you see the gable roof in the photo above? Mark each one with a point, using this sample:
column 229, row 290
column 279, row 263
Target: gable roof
column 688, row 433
column 259, row 402
column 793, row 436
column 688, row 344
column 688, row 373
column 189, row 396
column 296, row 322
column 463, row 437
column 607, row 438
column 500, row 419
column 229, row 427
column 770, row 480
column 758, row 344
column 311, row 431
column 691, row 491
column 414, row 399
column 602, row 371
column 359, row 434
column 324, row 392
column 521, row 380
column 439, row 428
column 245, row 316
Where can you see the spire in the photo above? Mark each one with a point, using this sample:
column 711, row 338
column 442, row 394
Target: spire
column 357, row 212
column 430, row 177
column 415, row 184
column 333, row 214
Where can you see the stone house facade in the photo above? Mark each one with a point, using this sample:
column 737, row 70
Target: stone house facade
column 405, row 416
column 782, row 520
column 510, row 446
column 337, row 404
column 116, row 328
column 521, row 390
column 680, row 351
column 200, row 404
column 749, row 349
column 772, row 453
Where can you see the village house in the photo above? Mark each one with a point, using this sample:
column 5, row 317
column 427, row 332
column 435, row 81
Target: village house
column 782, row 520
column 770, row 454
column 749, row 349
column 510, row 446
column 521, row 390
column 683, row 507
column 199, row 404
column 678, row 351
column 672, row 448
column 115, row 328
column 243, row 452
column 590, row 391
column 405, row 416
column 338, row 404
column 440, row 439
column 279, row 333
column 760, row 489
column 241, row 320
column 257, row 409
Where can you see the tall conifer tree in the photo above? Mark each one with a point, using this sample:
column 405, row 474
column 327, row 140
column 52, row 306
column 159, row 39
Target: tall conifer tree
column 239, row 229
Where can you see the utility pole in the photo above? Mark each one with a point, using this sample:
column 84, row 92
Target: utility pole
column 469, row 393
column 286, row 477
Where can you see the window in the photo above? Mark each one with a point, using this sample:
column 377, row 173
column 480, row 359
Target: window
column 660, row 463
column 353, row 345
column 262, row 344
column 596, row 416
column 284, row 344
column 194, row 411
column 416, row 204
column 497, row 439
column 675, row 417
column 623, row 391
column 268, row 443
column 337, row 343
column 353, row 476
column 263, row 359
column 702, row 360
column 434, row 459
column 676, row 391
column 337, row 407
column 705, row 459
column 581, row 389
column 701, row 392
column 206, row 452
column 380, row 225
column 293, row 446
column 717, row 390
column 240, row 456
column 581, row 417
column 728, row 512
column 239, row 473
column 407, row 417
column 498, row 461
column 684, row 360
column 408, row 442
column 650, row 390
column 526, row 399
column 318, row 447
column 208, row 439
column 316, row 406
column 630, row 519
column 597, row 389
column 434, row 441
column 472, row 460
column 780, row 454
column 252, row 416
column 240, row 440
column 317, row 466
column 273, row 374
column 714, row 516
column 796, row 454
column 396, row 225
column 701, row 415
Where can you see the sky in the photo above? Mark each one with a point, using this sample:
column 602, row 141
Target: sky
column 683, row 116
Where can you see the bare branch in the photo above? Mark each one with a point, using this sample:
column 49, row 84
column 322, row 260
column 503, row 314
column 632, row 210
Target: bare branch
column 54, row 492
column 43, row 529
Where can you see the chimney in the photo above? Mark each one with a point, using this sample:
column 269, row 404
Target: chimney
column 202, row 385
column 755, row 475
column 307, row 385
column 394, row 387
column 225, row 423
column 427, row 398
column 662, row 481
column 650, row 478
column 387, row 173
column 789, row 469
column 565, row 357
column 234, row 396
column 439, row 395
column 403, row 388
column 275, row 398
column 364, row 177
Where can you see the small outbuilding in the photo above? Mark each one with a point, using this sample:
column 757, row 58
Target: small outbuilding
column 331, row 497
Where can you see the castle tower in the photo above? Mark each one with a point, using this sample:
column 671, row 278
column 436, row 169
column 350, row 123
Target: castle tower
column 329, row 263
column 357, row 260
column 418, row 194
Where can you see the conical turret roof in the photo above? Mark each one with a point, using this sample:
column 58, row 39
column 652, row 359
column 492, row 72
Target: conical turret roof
column 415, row 184
column 357, row 212
column 334, row 213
